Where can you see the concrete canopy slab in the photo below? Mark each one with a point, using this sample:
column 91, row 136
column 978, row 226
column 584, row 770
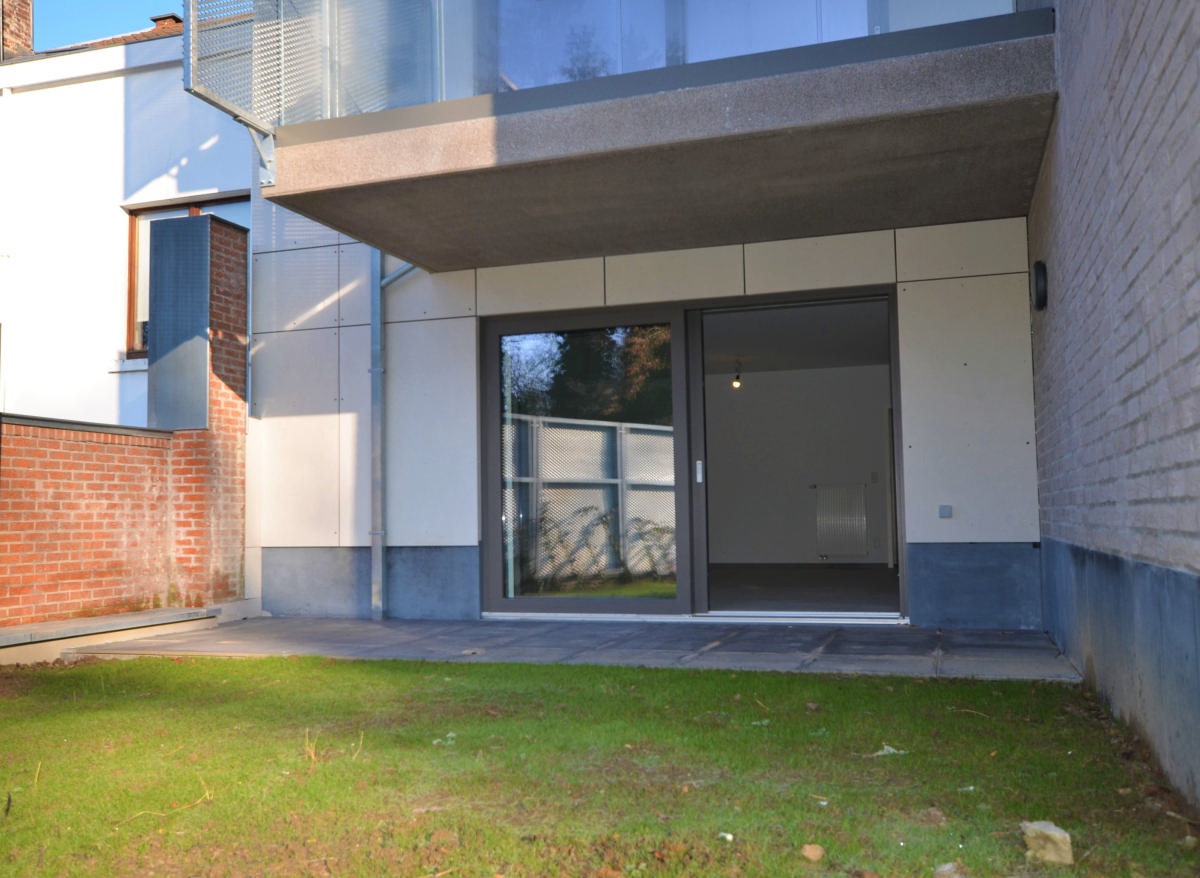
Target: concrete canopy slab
column 938, row 137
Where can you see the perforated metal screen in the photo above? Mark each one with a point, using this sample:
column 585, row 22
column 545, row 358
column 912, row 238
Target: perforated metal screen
column 280, row 62
column 262, row 61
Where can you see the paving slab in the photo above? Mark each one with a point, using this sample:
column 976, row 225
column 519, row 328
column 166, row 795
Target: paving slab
column 816, row 648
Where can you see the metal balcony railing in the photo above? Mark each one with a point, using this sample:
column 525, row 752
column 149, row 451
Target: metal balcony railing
column 278, row 62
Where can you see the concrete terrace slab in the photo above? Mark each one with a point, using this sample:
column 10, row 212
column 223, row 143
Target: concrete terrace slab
column 818, row 648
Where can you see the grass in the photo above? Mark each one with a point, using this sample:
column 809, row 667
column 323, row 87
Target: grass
column 663, row 589
column 314, row 767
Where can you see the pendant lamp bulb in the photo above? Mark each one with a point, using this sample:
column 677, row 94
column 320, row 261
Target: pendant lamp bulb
column 737, row 374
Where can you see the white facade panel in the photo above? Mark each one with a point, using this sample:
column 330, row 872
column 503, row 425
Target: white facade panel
column 354, row 442
column 354, row 285
column 296, row 289
column 679, row 274
column 966, row 388
column 296, row 394
column 821, row 263
column 961, row 250
column 423, row 296
column 252, row 578
column 546, row 286
column 432, row 433
column 255, row 446
column 277, row 228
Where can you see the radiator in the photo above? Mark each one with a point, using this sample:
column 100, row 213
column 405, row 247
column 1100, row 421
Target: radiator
column 841, row 520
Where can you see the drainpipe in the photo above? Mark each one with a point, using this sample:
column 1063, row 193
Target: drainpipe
column 378, row 531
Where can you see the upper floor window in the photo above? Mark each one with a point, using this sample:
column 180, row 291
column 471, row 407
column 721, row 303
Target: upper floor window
column 235, row 210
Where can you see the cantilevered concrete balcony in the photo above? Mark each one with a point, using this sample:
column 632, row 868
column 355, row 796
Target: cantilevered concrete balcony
column 942, row 125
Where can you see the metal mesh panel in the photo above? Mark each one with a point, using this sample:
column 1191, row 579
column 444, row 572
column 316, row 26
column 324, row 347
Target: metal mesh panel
column 649, row 455
column 575, row 538
column 576, row 451
column 650, row 531
column 302, row 87
column 516, row 437
column 263, row 61
column 585, row 501
column 508, row 434
column 220, row 55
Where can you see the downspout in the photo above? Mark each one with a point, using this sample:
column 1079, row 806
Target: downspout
column 378, row 530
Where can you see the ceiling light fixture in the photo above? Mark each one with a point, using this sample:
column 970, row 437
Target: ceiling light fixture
column 737, row 375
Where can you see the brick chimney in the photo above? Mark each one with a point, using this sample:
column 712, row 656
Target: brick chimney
column 16, row 28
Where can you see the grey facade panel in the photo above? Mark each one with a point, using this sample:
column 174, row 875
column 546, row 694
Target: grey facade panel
column 422, row 582
column 1133, row 630
column 974, row 585
column 327, row 581
column 177, row 381
column 432, row 582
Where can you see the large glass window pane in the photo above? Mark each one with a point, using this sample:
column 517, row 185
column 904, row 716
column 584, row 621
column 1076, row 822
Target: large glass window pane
column 587, row 451
column 725, row 28
column 544, row 43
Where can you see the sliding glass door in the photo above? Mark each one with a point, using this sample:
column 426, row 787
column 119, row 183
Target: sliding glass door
column 586, row 459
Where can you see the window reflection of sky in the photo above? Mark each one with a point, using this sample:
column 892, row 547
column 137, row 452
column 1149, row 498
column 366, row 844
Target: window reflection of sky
column 543, row 43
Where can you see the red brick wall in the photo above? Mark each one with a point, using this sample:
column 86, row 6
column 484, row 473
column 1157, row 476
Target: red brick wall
column 81, row 522
column 96, row 521
column 16, row 22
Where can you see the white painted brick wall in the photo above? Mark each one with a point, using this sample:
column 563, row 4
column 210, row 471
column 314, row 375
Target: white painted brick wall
column 1117, row 219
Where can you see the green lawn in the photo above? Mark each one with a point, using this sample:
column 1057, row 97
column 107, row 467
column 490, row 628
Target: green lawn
column 314, row 767
column 661, row 589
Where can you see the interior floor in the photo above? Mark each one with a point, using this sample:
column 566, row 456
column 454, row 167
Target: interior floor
column 804, row 588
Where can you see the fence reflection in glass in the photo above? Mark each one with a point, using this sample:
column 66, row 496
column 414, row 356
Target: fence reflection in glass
column 587, row 463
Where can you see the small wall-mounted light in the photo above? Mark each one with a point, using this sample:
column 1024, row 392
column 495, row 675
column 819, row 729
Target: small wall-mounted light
column 737, row 375
column 1038, row 286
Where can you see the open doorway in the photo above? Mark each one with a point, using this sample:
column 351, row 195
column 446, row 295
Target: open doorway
column 799, row 488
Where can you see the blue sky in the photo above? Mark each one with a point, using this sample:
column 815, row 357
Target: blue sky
column 59, row 23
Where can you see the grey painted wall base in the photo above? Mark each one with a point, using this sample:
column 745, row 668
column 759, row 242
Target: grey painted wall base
column 424, row 582
column 433, row 582
column 1133, row 629
column 326, row 581
column 974, row 585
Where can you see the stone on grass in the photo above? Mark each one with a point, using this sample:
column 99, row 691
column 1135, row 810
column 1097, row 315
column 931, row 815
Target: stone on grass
column 951, row 870
column 814, row 853
column 1047, row 843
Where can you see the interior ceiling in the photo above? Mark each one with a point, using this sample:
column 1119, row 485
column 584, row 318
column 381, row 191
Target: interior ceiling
column 796, row 337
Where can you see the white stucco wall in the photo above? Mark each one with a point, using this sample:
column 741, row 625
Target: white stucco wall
column 88, row 135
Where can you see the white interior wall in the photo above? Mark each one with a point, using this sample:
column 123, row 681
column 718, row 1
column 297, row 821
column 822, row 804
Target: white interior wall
column 86, row 134
column 814, row 426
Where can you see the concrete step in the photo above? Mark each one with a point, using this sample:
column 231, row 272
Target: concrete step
column 49, row 641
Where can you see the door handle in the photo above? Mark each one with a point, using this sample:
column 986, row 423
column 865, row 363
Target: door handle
column 699, row 472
